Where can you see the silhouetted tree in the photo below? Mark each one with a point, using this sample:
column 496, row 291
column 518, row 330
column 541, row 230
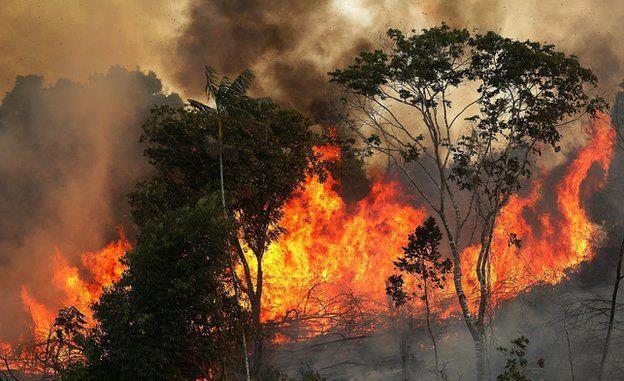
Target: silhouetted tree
column 516, row 364
column 172, row 315
column 421, row 259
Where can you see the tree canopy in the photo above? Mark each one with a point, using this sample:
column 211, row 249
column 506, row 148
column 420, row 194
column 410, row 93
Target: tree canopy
column 463, row 116
column 172, row 315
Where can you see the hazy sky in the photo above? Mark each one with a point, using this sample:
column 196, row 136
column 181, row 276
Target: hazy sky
column 74, row 39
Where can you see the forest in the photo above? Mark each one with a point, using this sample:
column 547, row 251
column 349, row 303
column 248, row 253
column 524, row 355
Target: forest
column 438, row 203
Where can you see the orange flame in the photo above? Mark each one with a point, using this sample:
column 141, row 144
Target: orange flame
column 328, row 242
column 350, row 248
column 332, row 248
column 101, row 268
column 560, row 239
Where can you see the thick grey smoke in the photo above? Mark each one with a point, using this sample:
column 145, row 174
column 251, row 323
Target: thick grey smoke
column 69, row 154
column 291, row 45
column 590, row 30
column 68, row 151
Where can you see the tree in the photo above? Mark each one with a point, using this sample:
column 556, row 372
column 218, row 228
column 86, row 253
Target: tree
column 172, row 314
column 469, row 113
column 618, row 124
column 516, row 364
column 260, row 154
column 227, row 96
column 421, row 258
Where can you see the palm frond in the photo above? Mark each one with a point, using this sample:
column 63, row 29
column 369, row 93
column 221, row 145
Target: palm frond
column 242, row 83
column 212, row 78
column 198, row 105
column 223, row 97
column 264, row 101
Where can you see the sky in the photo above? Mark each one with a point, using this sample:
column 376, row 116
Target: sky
column 74, row 39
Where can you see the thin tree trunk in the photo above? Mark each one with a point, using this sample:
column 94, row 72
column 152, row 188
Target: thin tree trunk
column 231, row 264
column 429, row 330
column 481, row 354
column 475, row 327
column 568, row 341
column 607, row 344
column 407, row 357
column 256, row 311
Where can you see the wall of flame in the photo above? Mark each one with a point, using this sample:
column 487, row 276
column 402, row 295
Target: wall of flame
column 332, row 249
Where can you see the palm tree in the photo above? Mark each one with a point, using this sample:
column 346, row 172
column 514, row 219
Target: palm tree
column 228, row 98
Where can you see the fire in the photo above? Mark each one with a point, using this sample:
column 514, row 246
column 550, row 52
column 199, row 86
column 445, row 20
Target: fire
column 347, row 247
column 334, row 253
column 559, row 239
column 101, row 268
column 332, row 248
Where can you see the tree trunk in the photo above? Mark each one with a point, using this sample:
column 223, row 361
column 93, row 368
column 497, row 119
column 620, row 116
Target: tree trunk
column 407, row 355
column 231, row 264
column 405, row 359
column 481, row 354
column 258, row 339
column 476, row 327
column 607, row 344
column 430, row 330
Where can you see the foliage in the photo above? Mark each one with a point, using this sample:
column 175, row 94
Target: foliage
column 524, row 90
column 250, row 150
column 172, row 314
column 516, row 364
column 421, row 257
column 267, row 154
column 463, row 116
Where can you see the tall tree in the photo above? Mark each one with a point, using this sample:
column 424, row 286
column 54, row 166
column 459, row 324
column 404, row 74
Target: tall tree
column 421, row 259
column 227, row 95
column 260, row 155
column 618, row 124
column 469, row 113
column 172, row 315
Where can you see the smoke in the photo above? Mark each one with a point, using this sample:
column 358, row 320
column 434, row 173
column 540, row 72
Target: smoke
column 68, row 156
column 68, row 151
column 590, row 30
column 292, row 44
column 289, row 44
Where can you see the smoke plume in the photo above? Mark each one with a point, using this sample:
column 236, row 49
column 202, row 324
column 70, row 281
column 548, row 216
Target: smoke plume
column 68, row 155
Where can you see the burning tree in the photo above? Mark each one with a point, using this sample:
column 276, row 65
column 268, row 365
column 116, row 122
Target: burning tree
column 422, row 259
column 469, row 113
column 618, row 124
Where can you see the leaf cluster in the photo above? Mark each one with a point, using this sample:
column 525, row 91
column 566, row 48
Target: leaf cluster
column 421, row 258
column 524, row 93
column 267, row 153
column 516, row 365
column 172, row 315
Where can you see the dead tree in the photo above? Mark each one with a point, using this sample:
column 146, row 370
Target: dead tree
column 612, row 311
